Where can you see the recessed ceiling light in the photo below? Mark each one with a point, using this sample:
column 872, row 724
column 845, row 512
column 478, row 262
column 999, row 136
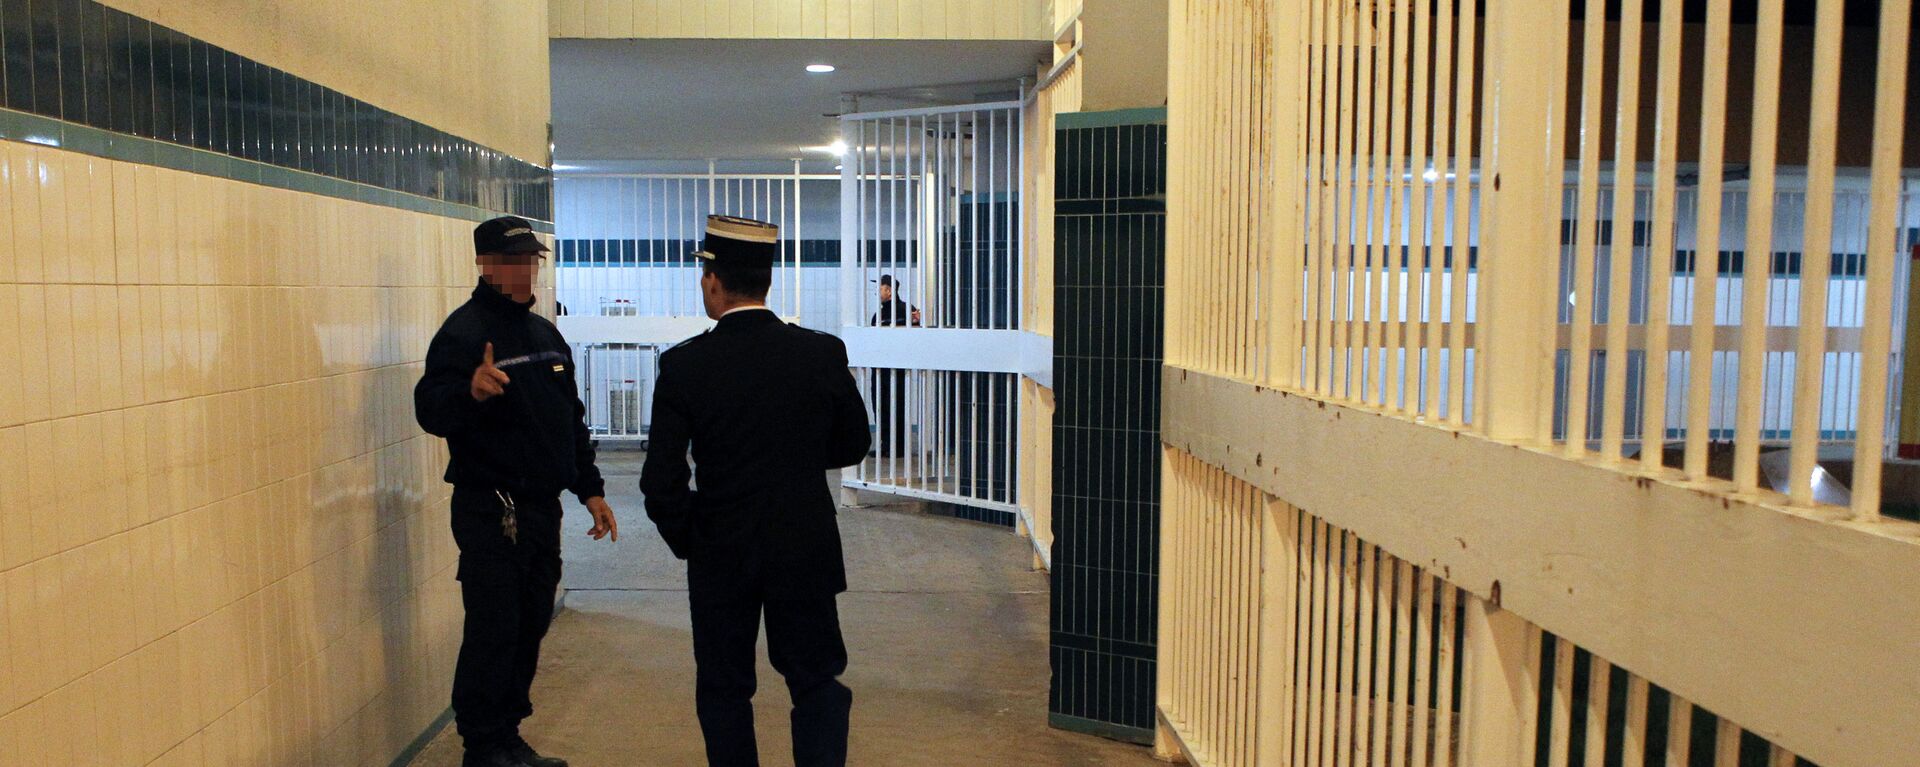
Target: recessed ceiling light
column 819, row 69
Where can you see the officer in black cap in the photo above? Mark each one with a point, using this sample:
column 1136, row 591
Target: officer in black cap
column 499, row 386
column 888, row 382
column 767, row 408
column 893, row 311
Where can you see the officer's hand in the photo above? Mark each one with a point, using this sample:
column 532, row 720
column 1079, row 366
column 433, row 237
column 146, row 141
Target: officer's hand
column 603, row 523
column 916, row 317
column 488, row 382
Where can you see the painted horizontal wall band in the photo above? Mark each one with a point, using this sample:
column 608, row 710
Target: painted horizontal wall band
column 982, row 351
column 1111, row 118
column 1790, row 623
column 58, row 134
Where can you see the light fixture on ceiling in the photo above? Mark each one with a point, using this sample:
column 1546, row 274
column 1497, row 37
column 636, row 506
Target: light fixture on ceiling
column 819, row 69
column 557, row 167
column 838, row 148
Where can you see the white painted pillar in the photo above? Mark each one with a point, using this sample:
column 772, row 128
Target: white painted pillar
column 1499, row 698
column 1519, row 253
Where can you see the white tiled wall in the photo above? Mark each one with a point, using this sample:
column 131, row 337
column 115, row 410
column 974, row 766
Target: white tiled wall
column 222, row 537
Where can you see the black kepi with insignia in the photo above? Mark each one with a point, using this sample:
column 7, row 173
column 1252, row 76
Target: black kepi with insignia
column 736, row 241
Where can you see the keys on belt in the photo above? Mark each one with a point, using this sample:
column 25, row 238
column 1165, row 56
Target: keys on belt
column 509, row 526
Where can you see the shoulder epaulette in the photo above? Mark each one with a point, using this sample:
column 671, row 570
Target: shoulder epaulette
column 703, row 334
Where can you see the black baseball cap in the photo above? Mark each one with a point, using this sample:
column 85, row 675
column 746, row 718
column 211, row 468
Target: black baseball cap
column 507, row 236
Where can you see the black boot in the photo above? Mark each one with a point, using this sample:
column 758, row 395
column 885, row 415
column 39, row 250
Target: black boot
column 519, row 748
column 493, row 757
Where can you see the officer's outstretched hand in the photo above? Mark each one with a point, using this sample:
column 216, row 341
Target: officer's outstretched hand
column 488, row 381
column 603, row 524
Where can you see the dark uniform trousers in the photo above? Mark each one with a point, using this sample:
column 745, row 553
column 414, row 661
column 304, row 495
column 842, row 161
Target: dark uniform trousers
column 890, row 422
column 804, row 644
column 508, row 589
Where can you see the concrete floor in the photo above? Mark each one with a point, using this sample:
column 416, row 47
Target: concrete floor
column 945, row 625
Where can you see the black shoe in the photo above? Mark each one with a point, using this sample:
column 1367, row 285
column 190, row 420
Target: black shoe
column 519, row 748
column 491, row 758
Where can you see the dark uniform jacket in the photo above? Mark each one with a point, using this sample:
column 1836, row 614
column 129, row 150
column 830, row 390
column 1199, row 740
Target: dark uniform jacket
column 768, row 408
column 533, row 439
column 893, row 312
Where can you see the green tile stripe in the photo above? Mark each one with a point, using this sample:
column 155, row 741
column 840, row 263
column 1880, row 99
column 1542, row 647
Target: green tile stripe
column 1112, row 118
column 426, row 736
column 35, row 129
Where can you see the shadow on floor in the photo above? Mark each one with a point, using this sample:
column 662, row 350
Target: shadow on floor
column 945, row 625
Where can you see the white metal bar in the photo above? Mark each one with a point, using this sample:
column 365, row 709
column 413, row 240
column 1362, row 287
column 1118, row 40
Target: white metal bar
column 798, row 239
column 1881, row 257
column 1423, row 666
column 1445, row 685
column 1319, row 220
column 972, row 216
column 1758, row 261
column 1344, row 156
column 1462, row 210
column 1706, row 251
column 1816, row 259
column 1399, row 256
column 1679, row 730
column 1372, row 119
column 1660, row 246
column 1402, row 658
column 1430, row 202
column 990, row 197
column 1620, row 243
column 1599, row 692
column 1586, row 223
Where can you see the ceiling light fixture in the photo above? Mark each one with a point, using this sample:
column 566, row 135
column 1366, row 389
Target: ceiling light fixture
column 838, row 148
column 819, row 69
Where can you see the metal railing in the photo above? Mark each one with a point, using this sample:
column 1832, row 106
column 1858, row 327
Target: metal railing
column 1288, row 640
column 627, row 240
column 1407, row 370
column 929, row 206
column 628, row 282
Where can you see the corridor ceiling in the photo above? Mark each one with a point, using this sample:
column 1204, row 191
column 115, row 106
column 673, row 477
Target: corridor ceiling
column 619, row 105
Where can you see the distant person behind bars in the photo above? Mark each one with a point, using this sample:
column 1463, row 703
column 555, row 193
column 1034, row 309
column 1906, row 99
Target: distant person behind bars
column 767, row 409
column 499, row 386
column 887, row 382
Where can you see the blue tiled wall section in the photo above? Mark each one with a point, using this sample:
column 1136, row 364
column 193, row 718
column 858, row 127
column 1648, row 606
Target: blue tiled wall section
column 109, row 72
column 1109, row 269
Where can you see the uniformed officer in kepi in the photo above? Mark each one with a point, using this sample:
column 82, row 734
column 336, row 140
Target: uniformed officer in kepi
column 499, row 386
column 767, row 408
